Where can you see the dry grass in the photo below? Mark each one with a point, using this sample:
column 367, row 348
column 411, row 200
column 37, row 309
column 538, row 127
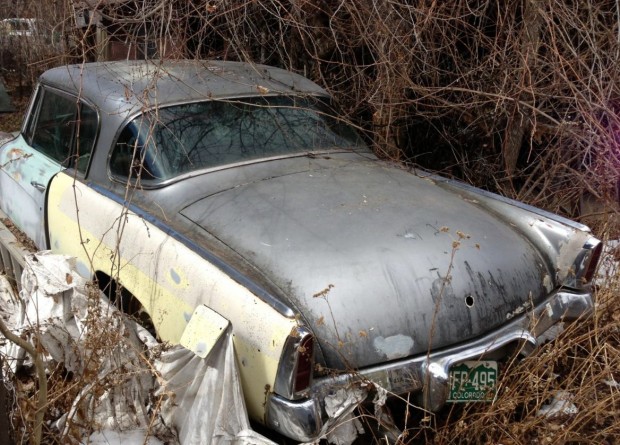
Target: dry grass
column 584, row 362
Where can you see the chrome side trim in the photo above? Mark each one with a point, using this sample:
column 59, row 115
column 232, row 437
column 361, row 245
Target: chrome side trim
column 228, row 269
column 428, row 374
column 512, row 202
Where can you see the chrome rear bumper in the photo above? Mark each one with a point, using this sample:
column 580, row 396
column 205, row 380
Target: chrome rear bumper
column 427, row 374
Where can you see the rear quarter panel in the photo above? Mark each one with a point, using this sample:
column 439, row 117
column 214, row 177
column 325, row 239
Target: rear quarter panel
column 168, row 278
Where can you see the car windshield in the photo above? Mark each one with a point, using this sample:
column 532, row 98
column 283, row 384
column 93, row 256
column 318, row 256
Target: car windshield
column 184, row 138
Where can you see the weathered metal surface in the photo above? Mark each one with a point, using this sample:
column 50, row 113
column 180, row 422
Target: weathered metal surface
column 408, row 265
column 170, row 279
column 128, row 87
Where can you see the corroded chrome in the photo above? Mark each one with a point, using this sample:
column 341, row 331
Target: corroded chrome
column 302, row 419
column 435, row 371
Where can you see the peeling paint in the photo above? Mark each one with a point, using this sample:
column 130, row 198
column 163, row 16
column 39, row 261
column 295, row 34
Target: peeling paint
column 395, row 346
column 519, row 310
column 175, row 276
column 410, row 234
column 22, row 169
column 548, row 283
column 82, row 268
column 549, row 310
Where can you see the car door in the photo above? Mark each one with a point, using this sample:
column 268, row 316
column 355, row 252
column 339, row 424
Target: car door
column 50, row 141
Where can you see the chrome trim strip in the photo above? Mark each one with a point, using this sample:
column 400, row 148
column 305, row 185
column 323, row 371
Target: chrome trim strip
column 521, row 205
column 154, row 184
column 229, row 270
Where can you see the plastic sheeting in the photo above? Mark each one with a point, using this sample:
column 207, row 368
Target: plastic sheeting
column 80, row 331
column 204, row 400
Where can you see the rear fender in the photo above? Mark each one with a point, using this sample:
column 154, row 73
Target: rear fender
column 168, row 278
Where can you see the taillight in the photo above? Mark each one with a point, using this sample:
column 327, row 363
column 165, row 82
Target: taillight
column 592, row 262
column 305, row 363
column 296, row 366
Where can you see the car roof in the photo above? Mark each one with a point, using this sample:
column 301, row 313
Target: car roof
column 128, row 86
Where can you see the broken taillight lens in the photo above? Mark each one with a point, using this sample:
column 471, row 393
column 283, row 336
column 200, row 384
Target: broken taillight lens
column 595, row 256
column 305, row 359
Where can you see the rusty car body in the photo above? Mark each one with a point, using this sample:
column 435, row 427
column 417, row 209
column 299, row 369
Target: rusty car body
column 237, row 187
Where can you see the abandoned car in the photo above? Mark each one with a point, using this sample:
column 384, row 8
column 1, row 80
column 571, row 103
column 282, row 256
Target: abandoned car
column 236, row 187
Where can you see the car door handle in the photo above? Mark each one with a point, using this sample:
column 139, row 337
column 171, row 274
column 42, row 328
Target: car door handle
column 40, row 187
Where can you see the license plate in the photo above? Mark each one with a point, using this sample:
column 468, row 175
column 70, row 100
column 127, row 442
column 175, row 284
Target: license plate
column 473, row 381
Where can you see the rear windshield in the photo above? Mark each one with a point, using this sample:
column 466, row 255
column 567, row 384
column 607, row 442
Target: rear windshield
column 185, row 138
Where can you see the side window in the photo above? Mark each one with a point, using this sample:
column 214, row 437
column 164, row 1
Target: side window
column 124, row 161
column 53, row 131
column 130, row 159
column 35, row 103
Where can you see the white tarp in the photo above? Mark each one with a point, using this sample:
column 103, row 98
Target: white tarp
column 203, row 396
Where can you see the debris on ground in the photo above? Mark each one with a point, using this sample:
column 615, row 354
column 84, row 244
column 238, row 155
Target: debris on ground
column 561, row 404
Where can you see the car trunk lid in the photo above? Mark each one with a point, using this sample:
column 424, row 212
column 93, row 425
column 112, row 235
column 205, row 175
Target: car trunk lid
column 381, row 264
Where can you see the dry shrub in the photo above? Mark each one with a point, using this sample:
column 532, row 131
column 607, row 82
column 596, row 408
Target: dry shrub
column 33, row 38
column 519, row 97
column 99, row 374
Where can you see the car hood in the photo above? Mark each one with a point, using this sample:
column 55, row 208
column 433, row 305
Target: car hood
column 380, row 263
